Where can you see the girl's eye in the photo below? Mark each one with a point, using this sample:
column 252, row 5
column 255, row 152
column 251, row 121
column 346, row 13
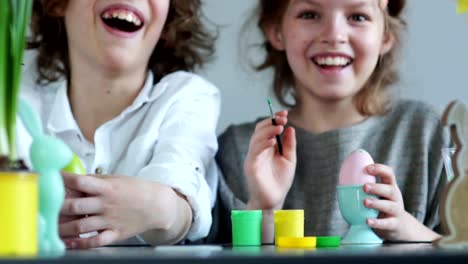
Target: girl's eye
column 359, row 18
column 309, row 15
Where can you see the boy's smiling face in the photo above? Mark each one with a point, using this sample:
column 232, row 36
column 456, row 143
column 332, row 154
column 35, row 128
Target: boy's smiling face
column 116, row 35
column 332, row 46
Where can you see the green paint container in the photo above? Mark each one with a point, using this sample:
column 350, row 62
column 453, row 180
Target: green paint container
column 246, row 227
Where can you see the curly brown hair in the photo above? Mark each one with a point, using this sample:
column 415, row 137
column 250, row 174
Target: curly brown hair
column 187, row 42
column 373, row 98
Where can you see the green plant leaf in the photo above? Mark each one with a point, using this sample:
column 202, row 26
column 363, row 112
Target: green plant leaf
column 14, row 21
column 4, row 76
column 20, row 21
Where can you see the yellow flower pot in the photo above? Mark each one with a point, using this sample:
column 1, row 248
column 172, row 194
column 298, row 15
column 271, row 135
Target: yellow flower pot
column 18, row 214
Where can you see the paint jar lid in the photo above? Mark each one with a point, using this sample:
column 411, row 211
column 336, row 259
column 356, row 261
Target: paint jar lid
column 296, row 242
column 246, row 214
column 279, row 214
column 328, row 241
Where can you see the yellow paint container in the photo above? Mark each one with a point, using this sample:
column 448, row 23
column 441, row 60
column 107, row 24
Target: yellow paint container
column 289, row 223
column 19, row 208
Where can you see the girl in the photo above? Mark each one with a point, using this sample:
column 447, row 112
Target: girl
column 110, row 78
column 336, row 59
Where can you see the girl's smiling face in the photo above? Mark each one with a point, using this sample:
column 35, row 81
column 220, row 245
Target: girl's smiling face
column 119, row 35
column 332, row 46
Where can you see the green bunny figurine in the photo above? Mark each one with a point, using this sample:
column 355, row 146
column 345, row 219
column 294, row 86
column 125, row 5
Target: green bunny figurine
column 48, row 156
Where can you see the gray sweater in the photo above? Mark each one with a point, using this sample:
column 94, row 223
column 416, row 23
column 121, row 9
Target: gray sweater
column 409, row 139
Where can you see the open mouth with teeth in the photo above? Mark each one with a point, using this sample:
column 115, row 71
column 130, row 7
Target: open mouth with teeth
column 122, row 20
column 328, row 62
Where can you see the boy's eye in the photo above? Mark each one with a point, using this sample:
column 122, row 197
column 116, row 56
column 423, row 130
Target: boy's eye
column 359, row 17
column 308, row 15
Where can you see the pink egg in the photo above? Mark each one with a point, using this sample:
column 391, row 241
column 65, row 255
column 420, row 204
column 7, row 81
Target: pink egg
column 353, row 170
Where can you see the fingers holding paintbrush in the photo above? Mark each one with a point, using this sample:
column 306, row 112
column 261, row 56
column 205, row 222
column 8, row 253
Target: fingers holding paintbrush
column 265, row 135
column 288, row 139
column 275, row 123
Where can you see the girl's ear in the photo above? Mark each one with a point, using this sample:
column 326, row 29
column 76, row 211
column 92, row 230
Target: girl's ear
column 274, row 36
column 388, row 43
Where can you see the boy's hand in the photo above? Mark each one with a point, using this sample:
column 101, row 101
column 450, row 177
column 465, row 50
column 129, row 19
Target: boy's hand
column 393, row 223
column 70, row 194
column 269, row 174
column 118, row 208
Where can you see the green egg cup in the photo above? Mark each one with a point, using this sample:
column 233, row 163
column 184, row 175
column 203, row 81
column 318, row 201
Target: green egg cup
column 351, row 203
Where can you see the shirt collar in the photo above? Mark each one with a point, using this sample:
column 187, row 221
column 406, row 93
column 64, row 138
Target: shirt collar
column 61, row 118
column 146, row 94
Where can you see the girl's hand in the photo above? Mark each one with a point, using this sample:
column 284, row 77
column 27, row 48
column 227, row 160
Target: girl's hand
column 269, row 174
column 393, row 222
column 118, row 208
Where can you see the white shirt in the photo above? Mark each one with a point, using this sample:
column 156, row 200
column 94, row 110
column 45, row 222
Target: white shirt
column 167, row 135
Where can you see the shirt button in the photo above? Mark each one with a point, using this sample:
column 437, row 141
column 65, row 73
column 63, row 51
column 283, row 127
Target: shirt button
column 98, row 170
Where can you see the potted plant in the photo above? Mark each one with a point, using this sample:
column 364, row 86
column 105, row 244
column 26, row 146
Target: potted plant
column 18, row 186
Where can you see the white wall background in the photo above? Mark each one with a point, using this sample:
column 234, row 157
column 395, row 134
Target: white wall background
column 434, row 66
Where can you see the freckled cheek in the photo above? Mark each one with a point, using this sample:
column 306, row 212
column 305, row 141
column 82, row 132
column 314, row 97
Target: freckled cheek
column 367, row 51
column 369, row 43
column 297, row 41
